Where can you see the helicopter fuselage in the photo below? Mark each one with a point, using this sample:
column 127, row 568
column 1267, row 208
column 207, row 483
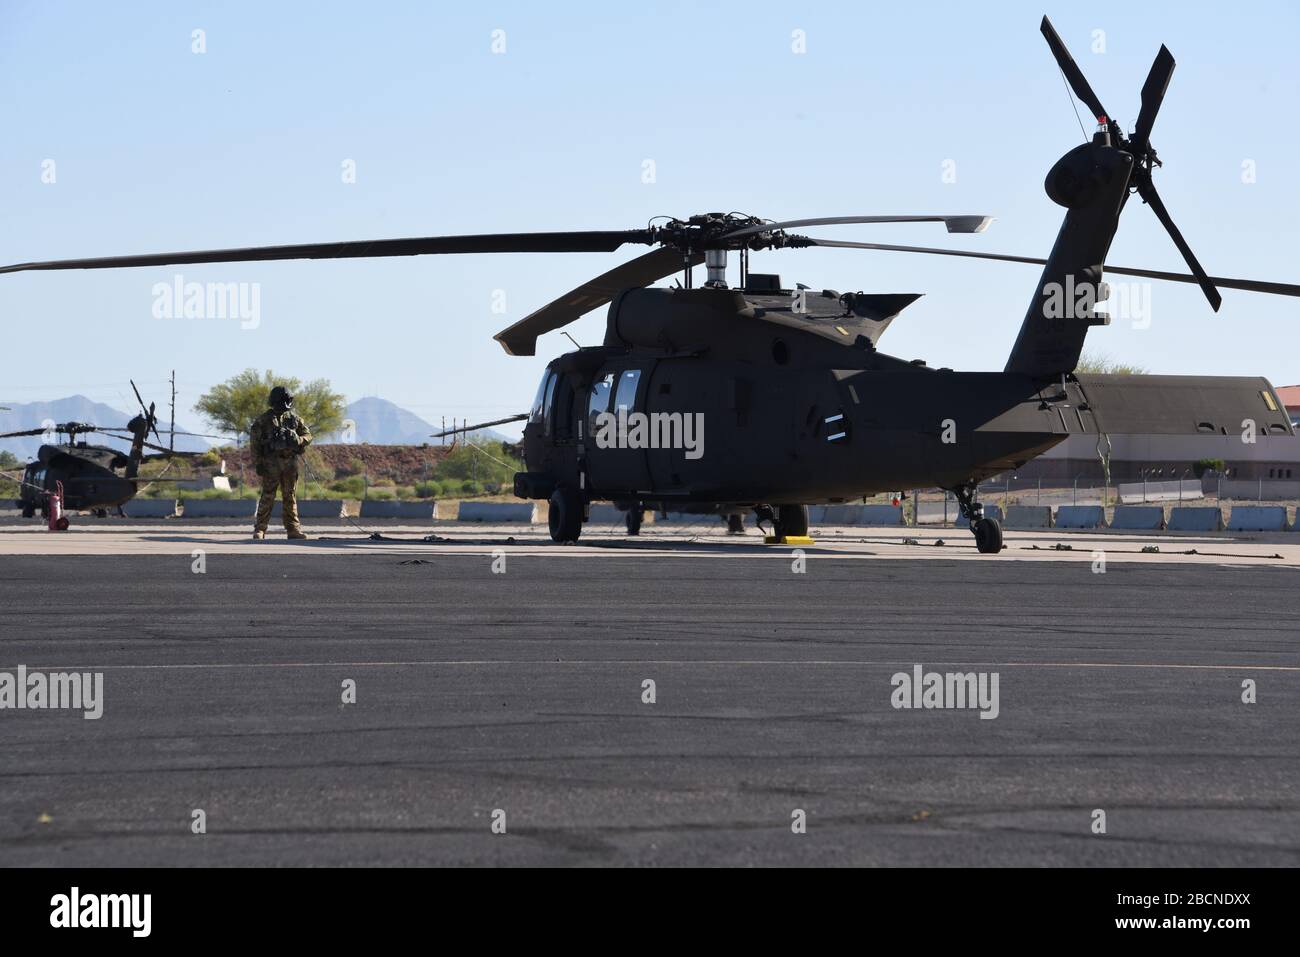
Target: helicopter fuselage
column 87, row 473
column 714, row 395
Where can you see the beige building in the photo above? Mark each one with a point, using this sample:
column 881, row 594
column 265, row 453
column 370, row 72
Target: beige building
column 1167, row 457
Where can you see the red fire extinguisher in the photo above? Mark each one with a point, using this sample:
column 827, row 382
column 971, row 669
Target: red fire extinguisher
column 58, row 521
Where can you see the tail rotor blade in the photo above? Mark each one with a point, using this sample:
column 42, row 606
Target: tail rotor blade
column 1153, row 94
column 137, row 394
column 1147, row 190
column 1072, row 72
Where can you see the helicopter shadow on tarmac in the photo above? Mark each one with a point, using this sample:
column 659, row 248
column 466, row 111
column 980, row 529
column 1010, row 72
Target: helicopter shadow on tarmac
column 682, row 546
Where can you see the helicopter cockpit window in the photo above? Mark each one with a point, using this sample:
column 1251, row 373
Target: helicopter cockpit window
column 625, row 397
column 539, row 403
column 598, row 401
column 547, row 407
column 560, row 425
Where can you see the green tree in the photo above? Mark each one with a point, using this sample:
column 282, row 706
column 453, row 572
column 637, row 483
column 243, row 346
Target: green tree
column 1099, row 362
column 487, row 462
column 234, row 404
column 8, row 460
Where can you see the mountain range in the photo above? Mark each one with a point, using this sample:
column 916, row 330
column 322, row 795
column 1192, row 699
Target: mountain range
column 78, row 408
column 376, row 421
column 381, row 422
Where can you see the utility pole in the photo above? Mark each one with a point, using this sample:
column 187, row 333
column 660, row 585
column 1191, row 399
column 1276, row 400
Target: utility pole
column 171, row 444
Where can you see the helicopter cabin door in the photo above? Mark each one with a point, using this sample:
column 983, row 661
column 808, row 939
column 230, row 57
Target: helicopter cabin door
column 616, row 455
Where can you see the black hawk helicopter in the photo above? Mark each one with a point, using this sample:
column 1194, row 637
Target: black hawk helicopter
column 88, row 473
column 800, row 405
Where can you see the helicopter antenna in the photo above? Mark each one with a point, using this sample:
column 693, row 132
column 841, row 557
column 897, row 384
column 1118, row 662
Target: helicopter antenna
column 570, row 338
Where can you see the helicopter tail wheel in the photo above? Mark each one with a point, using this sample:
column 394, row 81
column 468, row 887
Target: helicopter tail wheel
column 988, row 535
column 791, row 521
column 635, row 516
column 566, row 515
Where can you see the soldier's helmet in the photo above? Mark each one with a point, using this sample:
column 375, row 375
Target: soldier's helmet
column 280, row 398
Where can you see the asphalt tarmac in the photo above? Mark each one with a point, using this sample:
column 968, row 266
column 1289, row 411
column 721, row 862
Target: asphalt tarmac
column 518, row 696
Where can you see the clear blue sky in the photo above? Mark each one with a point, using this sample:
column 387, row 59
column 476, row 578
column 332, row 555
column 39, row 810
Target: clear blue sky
column 158, row 148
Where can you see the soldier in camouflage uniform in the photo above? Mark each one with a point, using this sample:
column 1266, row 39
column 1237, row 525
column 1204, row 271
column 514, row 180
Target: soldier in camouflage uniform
column 278, row 437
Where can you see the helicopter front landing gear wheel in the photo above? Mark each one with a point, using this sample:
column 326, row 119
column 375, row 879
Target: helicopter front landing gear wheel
column 565, row 517
column 735, row 523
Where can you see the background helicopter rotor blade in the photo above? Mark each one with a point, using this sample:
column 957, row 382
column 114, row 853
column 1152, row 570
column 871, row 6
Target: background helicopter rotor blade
column 1073, row 75
column 147, row 445
column 955, row 224
column 520, row 339
column 579, row 241
column 465, row 429
column 197, row 435
column 61, row 428
column 1247, row 285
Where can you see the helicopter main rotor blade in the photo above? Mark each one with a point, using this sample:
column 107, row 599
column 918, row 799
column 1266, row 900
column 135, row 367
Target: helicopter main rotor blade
column 520, row 339
column 480, row 425
column 14, row 435
column 580, row 241
column 1073, row 75
column 955, row 224
column 1247, row 285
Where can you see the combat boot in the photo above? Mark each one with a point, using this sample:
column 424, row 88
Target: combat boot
column 296, row 533
column 258, row 534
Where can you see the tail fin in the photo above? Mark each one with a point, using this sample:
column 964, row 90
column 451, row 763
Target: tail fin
column 1092, row 181
column 139, row 428
column 1062, row 311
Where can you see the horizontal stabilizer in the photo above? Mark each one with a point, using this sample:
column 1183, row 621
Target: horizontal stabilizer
column 1184, row 405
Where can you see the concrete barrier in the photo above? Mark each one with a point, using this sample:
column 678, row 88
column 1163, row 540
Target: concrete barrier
column 1029, row 516
column 1257, row 518
column 150, row 508
column 606, row 514
column 685, row 518
column 1188, row 518
column 855, row 514
column 1080, row 516
column 498, row 512
column 1139, row 518
column 312, row 508
column 218, row 507
column 1131, row 493
column 426, row 510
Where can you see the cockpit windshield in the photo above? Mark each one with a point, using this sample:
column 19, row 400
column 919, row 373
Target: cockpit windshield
column 539, row 404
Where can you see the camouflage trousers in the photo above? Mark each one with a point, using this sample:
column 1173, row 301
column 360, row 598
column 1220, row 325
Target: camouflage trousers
column 285, row 481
